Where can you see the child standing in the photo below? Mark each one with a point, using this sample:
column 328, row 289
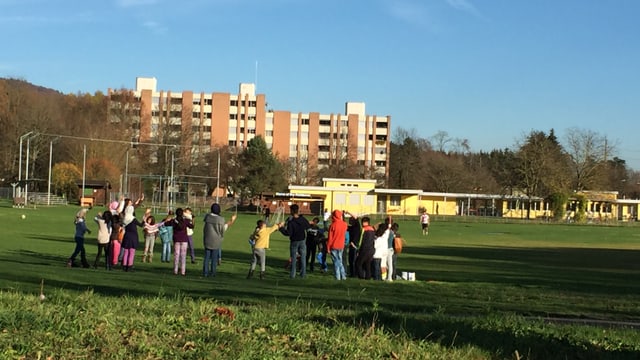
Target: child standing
column 131, row 239
column 314, row 239
column 261, row 236
column 180, row 241
column 104, row 234
column 192, row 251
column 166, row 235
column 150, row 235
column 117, row 233
column 381, row 245
column 81, row 229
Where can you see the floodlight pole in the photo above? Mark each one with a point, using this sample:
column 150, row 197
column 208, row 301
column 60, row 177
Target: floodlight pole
column 20, row 163
column 26, row 171
column 84, row 170
column 218, row 179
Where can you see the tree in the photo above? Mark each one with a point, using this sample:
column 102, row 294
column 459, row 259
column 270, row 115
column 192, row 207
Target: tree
column 440, row 141
column 502, row 165
column 261, row 170
column 541, row 165
column 405, row 168
column 102, row 169
column 589, row 152
column 63, row 178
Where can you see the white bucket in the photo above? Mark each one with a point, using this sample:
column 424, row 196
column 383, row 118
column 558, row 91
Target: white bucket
column 409, row 276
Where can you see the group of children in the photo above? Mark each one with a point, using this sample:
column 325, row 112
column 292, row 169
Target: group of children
column 369, row 253
column 355, row 246
column 118, row 236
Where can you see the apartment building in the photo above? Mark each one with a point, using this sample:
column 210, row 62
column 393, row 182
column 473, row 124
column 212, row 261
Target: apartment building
column 310, row 141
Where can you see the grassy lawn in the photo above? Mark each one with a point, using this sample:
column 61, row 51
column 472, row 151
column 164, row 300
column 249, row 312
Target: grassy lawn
column 483, row 290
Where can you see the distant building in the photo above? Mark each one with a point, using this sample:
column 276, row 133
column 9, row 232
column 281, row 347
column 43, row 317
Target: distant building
column 310, row 141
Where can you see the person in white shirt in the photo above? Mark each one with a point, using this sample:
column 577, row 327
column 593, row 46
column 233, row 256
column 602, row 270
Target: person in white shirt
column 424, row 220
column 381, row 245
column 325, row 219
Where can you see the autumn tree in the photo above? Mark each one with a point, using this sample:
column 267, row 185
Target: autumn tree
column 64, row 178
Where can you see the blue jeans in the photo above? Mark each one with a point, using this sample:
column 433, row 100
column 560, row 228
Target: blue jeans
column 338, row 265
column 298, row 247
column 191, row 249
column 166, row 252
column 376, row 271
column 210, row 262
column 79, row 249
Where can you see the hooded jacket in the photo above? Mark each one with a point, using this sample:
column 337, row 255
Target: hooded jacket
column 337, row 232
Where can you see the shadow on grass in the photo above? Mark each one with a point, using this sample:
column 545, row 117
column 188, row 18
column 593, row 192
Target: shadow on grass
column 593, row 271
column 459, row 332
column 63, row 239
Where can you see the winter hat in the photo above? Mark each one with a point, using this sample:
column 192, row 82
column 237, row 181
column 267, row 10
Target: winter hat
column 215, row 208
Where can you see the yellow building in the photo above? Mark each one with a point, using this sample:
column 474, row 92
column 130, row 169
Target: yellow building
column 360, row 196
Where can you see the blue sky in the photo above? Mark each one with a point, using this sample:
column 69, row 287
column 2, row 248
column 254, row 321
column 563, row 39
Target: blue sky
column 486, row 71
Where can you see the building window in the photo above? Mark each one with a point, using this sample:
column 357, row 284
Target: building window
column 233, row 116
column 208, row 101
column 269, row 133
column 304, row 121
column 382, row 125
column 325, row 122
column 323, row 148
column 252, row 103
column 233, row 103
column 394, row 200
column 176, row 101
column 233, row 143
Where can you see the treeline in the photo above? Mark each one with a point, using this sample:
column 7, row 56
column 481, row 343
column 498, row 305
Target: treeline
column 538, row 165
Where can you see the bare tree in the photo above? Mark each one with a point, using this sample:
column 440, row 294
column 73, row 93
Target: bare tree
column 589, row 152
column 440, row 141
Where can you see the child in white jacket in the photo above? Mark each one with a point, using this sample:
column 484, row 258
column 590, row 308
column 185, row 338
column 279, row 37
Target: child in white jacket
column 381, row 245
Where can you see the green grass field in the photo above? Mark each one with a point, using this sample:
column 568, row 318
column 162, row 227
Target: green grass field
column 483, row 290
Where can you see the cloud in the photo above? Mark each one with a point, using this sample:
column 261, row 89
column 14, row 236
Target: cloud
column 155, row 27
column 466, row 6
column 134, row 3
column 46, row 20
column 412, row 13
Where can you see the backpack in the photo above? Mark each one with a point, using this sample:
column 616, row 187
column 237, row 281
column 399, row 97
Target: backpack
column 120, row 233
column 398, row 242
